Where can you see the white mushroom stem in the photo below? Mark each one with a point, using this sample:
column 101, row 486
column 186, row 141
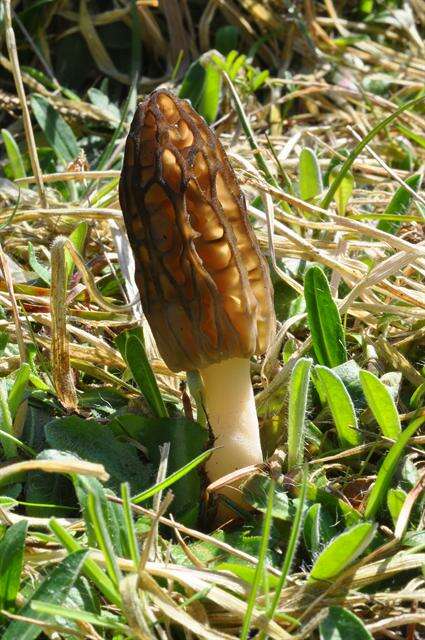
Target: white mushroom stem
column 230, row 406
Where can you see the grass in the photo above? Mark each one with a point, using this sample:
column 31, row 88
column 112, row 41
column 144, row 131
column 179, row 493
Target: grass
column 105, row 532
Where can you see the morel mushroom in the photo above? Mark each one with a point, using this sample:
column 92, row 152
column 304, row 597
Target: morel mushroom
column 204, row 285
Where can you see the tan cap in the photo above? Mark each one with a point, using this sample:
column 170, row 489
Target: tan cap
column 205, row 287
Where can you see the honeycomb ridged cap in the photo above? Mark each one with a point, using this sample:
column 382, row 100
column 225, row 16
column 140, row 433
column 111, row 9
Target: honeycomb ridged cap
column 204, row 285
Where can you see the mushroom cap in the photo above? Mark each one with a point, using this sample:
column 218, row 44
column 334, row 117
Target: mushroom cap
column 204, row 285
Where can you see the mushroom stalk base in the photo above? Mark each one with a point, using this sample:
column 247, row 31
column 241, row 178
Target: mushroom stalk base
column 230, row 406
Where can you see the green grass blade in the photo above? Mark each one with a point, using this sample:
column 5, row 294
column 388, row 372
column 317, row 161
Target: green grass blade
column 386, row 472
column 381, row 404
column 54, row 610
column 103, row 540
column 129, row 522
column 325, row 324
column 290, row 550
column 172, row 478
column 261, row 566
column 297, row 393
column 340, row 405
column 361, row 145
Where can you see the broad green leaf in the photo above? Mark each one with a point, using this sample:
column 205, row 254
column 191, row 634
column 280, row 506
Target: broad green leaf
column 54, row 589
column 342, row 551
column 395, row 501
column 341, row 624
column 42, row 271
column 58, row 133
column 78, row 239
column 97, row 443
column 323, row 319
column 132, row 348
column 12, row 547
column 381, row 404
column 14, row 155
column 386, row 472
column 187, row 441
column 400, row 204
column 310, row 176
column 340, row 405
column 297, row 394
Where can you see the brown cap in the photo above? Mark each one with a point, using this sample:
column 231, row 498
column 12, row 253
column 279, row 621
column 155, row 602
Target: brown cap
column 204, row 285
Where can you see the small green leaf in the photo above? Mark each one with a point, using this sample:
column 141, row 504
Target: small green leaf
column 342, row 551
column 323, row 319
column 310, row 176
column 340, row 405
column 54, row 589
column 12, row 547
column 131, row 346
column 42, row 271
column 297, row 393
column 385, row 474
column 344, row 190
column 78, row 239
column 341, row 624
column 14, row 155
column 381, row 404
column 400, row 204
column 58, row 133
